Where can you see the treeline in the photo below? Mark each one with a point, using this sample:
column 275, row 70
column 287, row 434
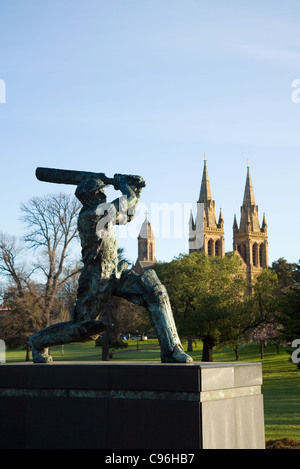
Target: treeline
column 210, row 297
column 212, row 301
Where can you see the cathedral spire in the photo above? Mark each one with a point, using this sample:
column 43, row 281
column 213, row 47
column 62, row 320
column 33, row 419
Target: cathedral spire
column 249, row 239
column 146, row 230
column 248, row 194
column 249, row 209
column 205, row 234
column 205, row 191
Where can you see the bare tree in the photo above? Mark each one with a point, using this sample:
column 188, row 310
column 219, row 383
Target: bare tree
column 11, row 265
column 20, row 294
column 51, row 223
column 23, row 317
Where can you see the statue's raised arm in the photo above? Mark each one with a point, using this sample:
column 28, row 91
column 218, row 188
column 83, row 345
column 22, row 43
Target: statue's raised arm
column 131, row 187
column 91, row 185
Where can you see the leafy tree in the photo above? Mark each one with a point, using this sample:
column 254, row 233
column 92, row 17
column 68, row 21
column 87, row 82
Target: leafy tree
column 290, row 314
column 125, row 317
column 264, row 298
column 262, row 305
column 266, row 333
column 206, row 294
column 288, row 274
column 288, row 296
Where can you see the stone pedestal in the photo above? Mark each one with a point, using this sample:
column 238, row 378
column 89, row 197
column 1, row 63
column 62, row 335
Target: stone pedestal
column 131, row 405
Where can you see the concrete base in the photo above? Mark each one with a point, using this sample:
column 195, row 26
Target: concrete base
column 131, row 405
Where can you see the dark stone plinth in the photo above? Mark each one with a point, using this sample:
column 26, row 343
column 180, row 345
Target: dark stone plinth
column 132, row 405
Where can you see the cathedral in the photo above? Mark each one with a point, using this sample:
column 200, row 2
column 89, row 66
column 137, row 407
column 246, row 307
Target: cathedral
column 206, row 234
column 250, row 240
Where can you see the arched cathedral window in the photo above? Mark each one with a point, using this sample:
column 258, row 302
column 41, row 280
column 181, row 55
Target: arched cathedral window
column 210, row 247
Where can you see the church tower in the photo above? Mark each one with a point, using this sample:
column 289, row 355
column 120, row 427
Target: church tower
column 205, row 234
column 146, row 248
column 250, row 239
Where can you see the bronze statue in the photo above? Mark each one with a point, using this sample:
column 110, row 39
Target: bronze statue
column 100, row 277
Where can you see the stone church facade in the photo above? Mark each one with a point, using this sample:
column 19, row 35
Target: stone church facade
column 206, row 233
column 250, row 239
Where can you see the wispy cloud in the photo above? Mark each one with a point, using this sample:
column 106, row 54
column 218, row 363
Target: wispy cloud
column 277, row 56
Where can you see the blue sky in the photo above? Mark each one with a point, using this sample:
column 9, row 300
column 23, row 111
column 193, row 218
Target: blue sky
column 146, row 87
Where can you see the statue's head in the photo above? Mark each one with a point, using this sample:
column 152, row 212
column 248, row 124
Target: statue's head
column 91, row 191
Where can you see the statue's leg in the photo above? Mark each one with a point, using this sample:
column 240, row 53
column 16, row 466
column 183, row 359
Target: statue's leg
column 147, row 290
column 63, row 333
column 92, row 294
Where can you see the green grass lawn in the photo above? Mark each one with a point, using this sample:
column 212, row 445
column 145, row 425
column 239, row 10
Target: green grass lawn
column 281, row 379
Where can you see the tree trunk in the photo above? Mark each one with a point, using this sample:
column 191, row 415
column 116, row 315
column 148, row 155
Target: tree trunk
column 27, row 352
column 105, row 348
column 207, row 353
column 261, row 349
column 190, row 344
column 236, row 351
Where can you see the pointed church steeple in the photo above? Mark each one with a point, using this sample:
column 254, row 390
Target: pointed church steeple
column 206, row 234
column 146, row 230
column 248, row 194
column 235, row 225
column 221, row 219
column 205, row 191
column 191, row 221
column 249, row 209
column 146, row 247
column 264, row 225
column 249, row 239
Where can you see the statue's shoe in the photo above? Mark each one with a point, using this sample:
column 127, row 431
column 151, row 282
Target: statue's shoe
column 177, row 356
column 39, row 355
